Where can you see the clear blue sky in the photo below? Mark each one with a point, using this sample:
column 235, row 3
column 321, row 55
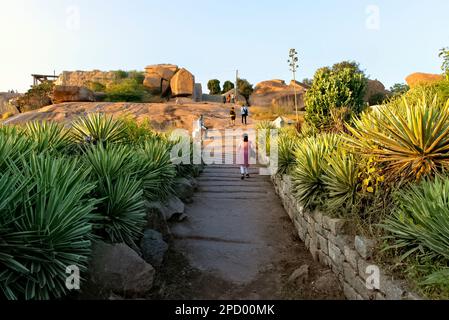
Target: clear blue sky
column 212, row 38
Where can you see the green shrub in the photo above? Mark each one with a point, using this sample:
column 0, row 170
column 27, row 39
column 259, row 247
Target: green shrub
column 120, row 74
column 245, row 88
column 116, row 174
column 410, row 139
column 48, row 136
column 341, row 180
column 307, row 177
column 126, row 90
column 98, row 129
column 96, row 86
column 228, row 86
column 138, row 76
column 44, row 226
column 343, row 85
column 288, row 141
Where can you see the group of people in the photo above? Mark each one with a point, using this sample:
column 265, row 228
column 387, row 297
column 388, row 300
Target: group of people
column 230, row 98
column 246, row 149
column 244, row 111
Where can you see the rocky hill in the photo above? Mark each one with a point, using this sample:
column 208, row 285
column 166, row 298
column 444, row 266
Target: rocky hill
column 277, row 92
column 420, row 78
column 163, row 116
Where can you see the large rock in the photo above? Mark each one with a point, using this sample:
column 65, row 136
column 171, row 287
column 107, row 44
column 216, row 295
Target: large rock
column 170, row 209
column 153, row 247
column 6, row 107
column 72, row 94
column 158, row 77
column 84, row 78
column 184, row 189
column 183, row 84
column 118, row 269
column 418, row 78
column 278, row 93
column 374, row 91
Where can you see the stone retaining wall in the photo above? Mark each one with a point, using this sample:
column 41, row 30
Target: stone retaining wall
column 350, row 258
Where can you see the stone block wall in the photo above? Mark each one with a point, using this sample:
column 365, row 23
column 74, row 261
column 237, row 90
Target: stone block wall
column 349, row 257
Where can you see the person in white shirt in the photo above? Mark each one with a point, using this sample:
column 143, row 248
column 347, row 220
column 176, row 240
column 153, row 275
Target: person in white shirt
column 245, row 114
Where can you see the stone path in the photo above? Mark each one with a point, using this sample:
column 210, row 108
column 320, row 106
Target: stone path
column 240, row 239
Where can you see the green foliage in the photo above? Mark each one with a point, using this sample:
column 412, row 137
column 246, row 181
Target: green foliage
column 288, row 141
column 44, row 226
column 377, row 99
column 214, row 86
column 307, row 177
column 137, row 133
column 98, row 129
column 398, row 89
column 343, row 85
column 245, row 88
column 120, row 74
column 341, row 180
column 96, row 86
column 160, row 172
column 126, row 90
column 228, row 86
column 444, row 54
column 48, row 136
column 138, row 76
column 115, row 172
column 411, row 140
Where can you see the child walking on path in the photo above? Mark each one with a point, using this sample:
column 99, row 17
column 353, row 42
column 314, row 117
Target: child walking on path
column 233, row 116
column 245, row 151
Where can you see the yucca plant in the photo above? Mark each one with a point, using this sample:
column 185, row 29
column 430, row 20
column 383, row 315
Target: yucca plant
column 160, row 172
column 98, row 129
column 117, row 174
column 420, row 221
column 48, row 136
column 311, row 153
column 341, row 179
column 412, row 141
column 265, row 127
column 45, row 226
column 14, row 147
column 288, row 141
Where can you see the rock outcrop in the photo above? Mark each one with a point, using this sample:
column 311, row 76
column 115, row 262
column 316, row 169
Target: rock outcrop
column 118, row 269
column 72, row 94
column 158, row 77
column 418, row 78
column 183, row 84
column 84, row 78
column 6, row 107
column 375, row 91
column 153, row 247
column 278, row 93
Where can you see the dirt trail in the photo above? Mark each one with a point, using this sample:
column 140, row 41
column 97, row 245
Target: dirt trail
column 238, row 243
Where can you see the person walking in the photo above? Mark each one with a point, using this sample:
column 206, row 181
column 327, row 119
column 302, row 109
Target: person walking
column 245, row 151
column 245, row 114
column 233, row 116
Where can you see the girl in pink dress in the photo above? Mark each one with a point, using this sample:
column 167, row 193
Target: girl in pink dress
column 243, row 156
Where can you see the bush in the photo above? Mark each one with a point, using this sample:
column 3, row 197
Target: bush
column 287, row 143
column 127, row 90
column 98, row 129
column 411, row 140
column 214, row 86
column 307, row 177
column 96, row 86
column 44, row 226
column 48, row 137
column 343, row 85
column 116, row 174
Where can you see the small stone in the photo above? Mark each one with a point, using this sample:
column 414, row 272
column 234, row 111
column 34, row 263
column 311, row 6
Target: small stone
column 365, row 247
column 153, row 247
column 300, row 276
column 337, row 226
column 336, row 255
column 323, row 244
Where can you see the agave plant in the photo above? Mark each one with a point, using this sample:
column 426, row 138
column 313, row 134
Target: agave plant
column 420, row 222
column 311, row 153
column 341, row 179
column 117, row 174
column 160, row 172
column 288, row 141
column 98, row 129
column 412, row 141
column 44, row 226
column 48, row 136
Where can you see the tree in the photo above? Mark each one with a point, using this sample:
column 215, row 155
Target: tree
column 245, row 88
column 307, row 82
column 214, row 86
column 444, row 54
column 398, row 89
column 228, row 86
column 341, row 87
